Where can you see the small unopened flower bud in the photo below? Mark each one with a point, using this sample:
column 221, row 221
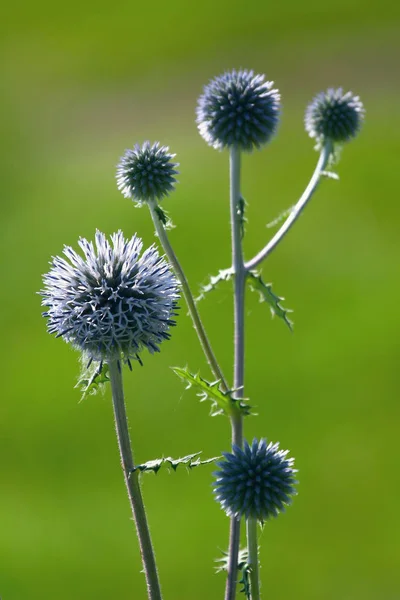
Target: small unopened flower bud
column 146, row 172
column 334, row 116
column 239, row 109
column 256, row 482
column 112, row 302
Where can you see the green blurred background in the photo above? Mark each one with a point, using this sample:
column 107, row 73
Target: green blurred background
column 81, row 82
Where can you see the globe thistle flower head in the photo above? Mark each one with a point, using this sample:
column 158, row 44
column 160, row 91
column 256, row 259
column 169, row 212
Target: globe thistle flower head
column 146, row 172
column 256, row 482
column 239, row 109
column 113, row 301
column 335, row 116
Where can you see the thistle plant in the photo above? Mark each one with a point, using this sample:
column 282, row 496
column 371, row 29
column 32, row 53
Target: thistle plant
column 116, row 301
column 111, row 304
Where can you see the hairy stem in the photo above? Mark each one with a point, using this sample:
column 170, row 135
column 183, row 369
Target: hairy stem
column 198, row 325
column 132, row 482
column 239, row 296
column 296, row 211
column 252, row 559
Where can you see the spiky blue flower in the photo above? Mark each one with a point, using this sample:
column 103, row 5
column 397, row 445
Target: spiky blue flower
column 256, row 482
column 113, row 301
column 146, row 172
column 335, row 116
column 239, row 109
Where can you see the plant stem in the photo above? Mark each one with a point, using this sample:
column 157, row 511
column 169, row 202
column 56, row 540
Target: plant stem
column 297, row 209
column 132, row 482
column 239, row 296
column 252, row 559
column 198, row 325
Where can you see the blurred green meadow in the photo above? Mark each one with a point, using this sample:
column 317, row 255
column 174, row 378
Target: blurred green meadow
column 80, row 82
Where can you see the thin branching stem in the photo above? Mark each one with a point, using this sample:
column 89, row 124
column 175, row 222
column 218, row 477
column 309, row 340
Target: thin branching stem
column 252, row 549
column 132, row 483
column 296, row 211
column 194, row 313
column 239, row 297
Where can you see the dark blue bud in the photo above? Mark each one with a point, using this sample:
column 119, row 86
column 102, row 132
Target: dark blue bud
column 238, row 109
column 146, row 172
column 245, row 486
column 334, row 116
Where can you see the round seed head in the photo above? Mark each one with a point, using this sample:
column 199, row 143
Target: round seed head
column 112, row 302
column 256, row 482
column 239, row 109
column 334, row 116
column 146, row 172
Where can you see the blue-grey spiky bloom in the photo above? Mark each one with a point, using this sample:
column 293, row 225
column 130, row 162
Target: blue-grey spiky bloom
column 256, row 482
column 335, row 116
column 146, row 172
column 239, row 109
column 112, row 302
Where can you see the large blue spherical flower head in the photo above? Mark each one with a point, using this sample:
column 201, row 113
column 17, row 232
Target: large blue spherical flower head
column 256, row 482
column 112, row 302
column 238, row 109
column 334, row 116
column 146, row 172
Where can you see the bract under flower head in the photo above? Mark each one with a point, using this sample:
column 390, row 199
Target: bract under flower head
column 335, row 116
column 112, row 302
column 256, row 482
column 146, row 172
column 239, row 109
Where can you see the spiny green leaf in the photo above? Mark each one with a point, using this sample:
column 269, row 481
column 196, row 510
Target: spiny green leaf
column 93, row 381
column 221, row 402
column 164, row 217
column 265, row 290
column 243, row 568
column 190, row 461
column 245, row 581
column 222, row 563
column 223, row 275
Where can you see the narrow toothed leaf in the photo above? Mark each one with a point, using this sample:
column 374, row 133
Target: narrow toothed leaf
column 280, row 218
column 243, row 569
column 244, row 581
column 221, row 402
column 330, row 175
column 190, row 461
column 241, row 212
column 91, row 384
column 256, row 283
column 222, row 563
column 223, row 275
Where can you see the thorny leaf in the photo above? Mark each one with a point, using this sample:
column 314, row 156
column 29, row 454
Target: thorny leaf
column 243, row 568
column 93, row 380
column 221, row 402
column 265, row 290
column 190, row 461
column 223, row 275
